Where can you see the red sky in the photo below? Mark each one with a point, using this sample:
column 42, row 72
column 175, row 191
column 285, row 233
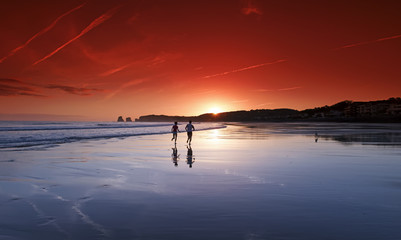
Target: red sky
column 96, row 60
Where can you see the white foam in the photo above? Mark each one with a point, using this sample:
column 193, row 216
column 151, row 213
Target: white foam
column 17, row 135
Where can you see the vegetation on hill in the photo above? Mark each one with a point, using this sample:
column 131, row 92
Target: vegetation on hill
column 374, row 111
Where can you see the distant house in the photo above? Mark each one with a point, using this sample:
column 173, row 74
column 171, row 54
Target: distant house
column 394, row 110
column 379, row 109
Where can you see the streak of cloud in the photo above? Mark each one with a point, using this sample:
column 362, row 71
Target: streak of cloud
column 274, row 90
column 121, row 68
column 264, row 104
column 206, row 91
column 245, row 68
column 368, row 42
column 13, row 87
column 125, row 85
column 251, row 9
column 43, row 31
column 73, row 90
column 148, row 62
column 92, row 25
column 115, row 70
column 240, row 101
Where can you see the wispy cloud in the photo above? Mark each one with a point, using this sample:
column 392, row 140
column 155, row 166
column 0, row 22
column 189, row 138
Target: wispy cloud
column 43, row 31
column 148, row 62
column 13, row 87
column 240, row 101
column 82, row 91
column 204, row 91
column 368, row 42
column 126, row 85
column 250, row 8
column 92, row 25
column 115, row 70
column 279, row 89
column 245, row 68
column 264, row 104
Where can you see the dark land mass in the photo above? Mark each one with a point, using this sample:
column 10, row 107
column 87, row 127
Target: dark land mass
column 346, row 111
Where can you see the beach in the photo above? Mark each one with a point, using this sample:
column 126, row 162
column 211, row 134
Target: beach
column 243, row 181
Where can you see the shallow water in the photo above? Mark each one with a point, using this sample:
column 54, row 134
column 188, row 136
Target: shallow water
column 246, row 182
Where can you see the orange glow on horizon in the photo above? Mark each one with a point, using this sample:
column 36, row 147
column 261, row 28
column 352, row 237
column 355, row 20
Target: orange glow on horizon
column 215, row 110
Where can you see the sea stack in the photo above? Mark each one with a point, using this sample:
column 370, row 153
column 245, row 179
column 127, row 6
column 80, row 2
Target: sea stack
column 120, row 119
column 128, row 119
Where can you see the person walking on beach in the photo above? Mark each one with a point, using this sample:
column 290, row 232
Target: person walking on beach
column 189, row 128
column 174, row 130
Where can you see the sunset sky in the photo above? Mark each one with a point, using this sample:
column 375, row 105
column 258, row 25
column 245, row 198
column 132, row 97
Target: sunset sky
column 96, row 60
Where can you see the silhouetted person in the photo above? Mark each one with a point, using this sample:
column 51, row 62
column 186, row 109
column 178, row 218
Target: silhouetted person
column 190, row 158
column 189, row 128
column 316, row 137
column 174, row 130
column 175, row 156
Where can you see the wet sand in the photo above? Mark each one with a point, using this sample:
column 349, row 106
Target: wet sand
column 241, row 182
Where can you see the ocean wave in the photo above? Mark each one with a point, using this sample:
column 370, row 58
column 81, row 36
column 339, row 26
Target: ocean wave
column 49, row 127
column 24, row 137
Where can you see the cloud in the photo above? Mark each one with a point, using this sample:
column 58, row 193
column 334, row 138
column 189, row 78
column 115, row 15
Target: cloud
column 13, row 87
column 92, row 25
column 40, row 117
column 288, row 89
column 240, row 101
column 115, row 70
column 73, row 90
column 43, row 31
column 245, row 68
column 274, row 90
column 264, row 104
column 126, row 85
column 206, row 91
column 368, row 42
column 250, row 8
column 148, row 62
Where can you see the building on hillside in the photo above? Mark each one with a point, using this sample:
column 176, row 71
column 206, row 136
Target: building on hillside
column 394, row 110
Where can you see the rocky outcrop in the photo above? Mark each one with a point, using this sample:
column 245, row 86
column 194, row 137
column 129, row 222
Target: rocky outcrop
column 120, row 119
column 128, row 119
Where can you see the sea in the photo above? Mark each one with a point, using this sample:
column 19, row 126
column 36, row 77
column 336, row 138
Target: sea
column 27, row 135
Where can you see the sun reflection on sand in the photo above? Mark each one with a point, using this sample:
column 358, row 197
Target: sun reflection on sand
column 214, row 136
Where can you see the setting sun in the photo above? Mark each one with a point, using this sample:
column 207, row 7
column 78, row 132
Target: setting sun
column 215, row 110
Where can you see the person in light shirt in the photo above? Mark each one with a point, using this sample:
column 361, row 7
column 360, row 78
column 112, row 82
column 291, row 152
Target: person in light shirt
column 189, row 128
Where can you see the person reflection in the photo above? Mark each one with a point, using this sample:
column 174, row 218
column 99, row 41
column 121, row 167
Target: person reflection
column 190, row 158
column 316, row 137
column 175, row 156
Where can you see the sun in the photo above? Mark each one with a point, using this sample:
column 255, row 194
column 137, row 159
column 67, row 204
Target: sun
column 215, row 110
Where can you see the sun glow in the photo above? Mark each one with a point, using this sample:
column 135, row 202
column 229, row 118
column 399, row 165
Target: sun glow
column 215, row 110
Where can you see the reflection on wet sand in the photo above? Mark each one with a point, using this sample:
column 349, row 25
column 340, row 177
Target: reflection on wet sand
column 174, row 156
column 363, row 133
column 190, row 158
column 369, row 138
